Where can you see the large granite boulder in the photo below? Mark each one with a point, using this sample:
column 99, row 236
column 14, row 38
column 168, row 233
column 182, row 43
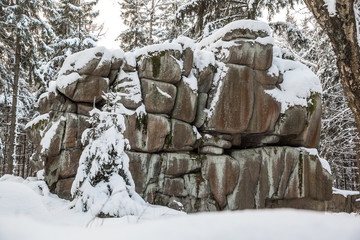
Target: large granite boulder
column 209, row 124
column 186, row 100
column 159, row 97
column 147, row 133
column 84, row 76
column 160, row 62
column 233, row 101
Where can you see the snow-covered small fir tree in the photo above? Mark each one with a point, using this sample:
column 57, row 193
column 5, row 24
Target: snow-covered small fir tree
column 103, row 183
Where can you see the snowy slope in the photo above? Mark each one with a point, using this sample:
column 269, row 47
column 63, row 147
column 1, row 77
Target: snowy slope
column 28, row 211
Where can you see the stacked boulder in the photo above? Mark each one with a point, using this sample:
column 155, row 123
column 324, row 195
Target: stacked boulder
column 64, row 114
column 212, row 125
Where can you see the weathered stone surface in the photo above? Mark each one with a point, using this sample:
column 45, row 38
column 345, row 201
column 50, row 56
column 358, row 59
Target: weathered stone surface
column 200, row 113
column 211, row 150
column 216, row 141
column 67, row 166
column 112, row 76
column 34, row 130
column 181, row 138
column 128, row 86
column 56, row 101
column 175, row 187
column 310, row 137
column 88, row 68
column 185, row 104
column 85, row 89
column 57, row 137
column 103, row 68
column 270, row 139
column 205, row 78
column 243, row 195
column 188, row 60
column 84, row 109
column 178, row 164
column 266, row 112
column 234, row 107
column 161, row 66
column 158, row 97
column 144, row 168
column 263, row 78
column 317, row 180
column 157, row 129
column 63, row 188
column 341, row 203
column 187, row 204
column 75, row 126
column 147, row 133
column 251, row 54
column 299, row 203
column 117, row 59
column 127, row 67
column 278, row 173
column 51, row 171
column 139, row 165
column 292, row 122
column 71, row 138
column 239, row 33
column 36, row 164
column 69, row 107
column 222, row 172
column 44, row 104
column 59, row 103
column 197, row 186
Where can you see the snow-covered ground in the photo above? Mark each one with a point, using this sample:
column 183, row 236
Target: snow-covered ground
column 28, row 211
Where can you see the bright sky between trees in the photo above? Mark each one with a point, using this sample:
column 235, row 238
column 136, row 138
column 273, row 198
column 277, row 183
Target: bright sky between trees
column 110, row 15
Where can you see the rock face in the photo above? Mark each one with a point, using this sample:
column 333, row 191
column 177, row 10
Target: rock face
column 214, row 125
column 245, row 179
column 348, row 203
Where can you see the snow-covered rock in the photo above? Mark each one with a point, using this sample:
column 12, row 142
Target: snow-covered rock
column 160, row 62
column 207, row 122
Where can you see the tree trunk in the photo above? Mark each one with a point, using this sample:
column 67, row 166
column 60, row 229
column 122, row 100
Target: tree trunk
column 152, row 13
column 357, row 165
column 200, row 18
column 342, row 32
column 10, row 157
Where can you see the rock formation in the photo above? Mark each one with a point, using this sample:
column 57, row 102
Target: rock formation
column 223, row 123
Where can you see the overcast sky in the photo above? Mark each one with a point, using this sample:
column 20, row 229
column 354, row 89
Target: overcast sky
column 110, row 15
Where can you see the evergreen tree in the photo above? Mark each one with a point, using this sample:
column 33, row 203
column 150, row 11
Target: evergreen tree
column 255, row 7
column 169, row 24
column 134, row 16
column 72, row 22
column 103, row 183
column 24, row 33
column 154, row 12
column 210, row 15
